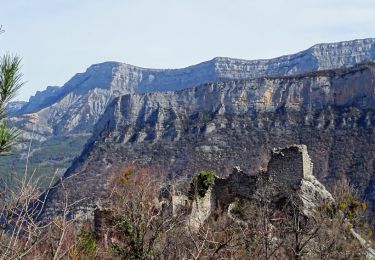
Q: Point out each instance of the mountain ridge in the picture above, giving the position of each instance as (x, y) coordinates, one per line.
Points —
(216, 60)
(68, 114)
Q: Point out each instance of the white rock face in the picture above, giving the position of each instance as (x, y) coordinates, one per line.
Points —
(159, 111)
(77, 105)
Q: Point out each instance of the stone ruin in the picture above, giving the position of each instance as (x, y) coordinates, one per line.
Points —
(289, 173)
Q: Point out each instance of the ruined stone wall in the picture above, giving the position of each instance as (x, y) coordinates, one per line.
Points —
(286, 169)
(237, 185)
(289, 173)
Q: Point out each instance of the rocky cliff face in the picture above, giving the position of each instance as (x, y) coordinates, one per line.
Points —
(77, 105)
(221, 125)
(70, 112)
(14, 106)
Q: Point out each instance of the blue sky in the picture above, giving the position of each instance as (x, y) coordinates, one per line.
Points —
(58, 38)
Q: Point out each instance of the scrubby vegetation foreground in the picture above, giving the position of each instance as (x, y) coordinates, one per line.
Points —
(137, 223)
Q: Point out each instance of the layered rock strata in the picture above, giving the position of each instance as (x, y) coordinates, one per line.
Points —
(62, 118)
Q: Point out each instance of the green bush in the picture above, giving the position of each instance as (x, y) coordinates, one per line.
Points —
(202, 181)
(86, 243)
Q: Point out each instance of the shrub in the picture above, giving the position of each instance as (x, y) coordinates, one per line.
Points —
(202, 181)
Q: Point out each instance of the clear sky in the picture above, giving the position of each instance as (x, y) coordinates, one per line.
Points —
(58, 38)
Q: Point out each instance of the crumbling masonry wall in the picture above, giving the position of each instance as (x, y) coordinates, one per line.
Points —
(289, 172)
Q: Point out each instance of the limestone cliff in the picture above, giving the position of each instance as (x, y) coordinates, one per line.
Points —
(75, 107)
(62, 117)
